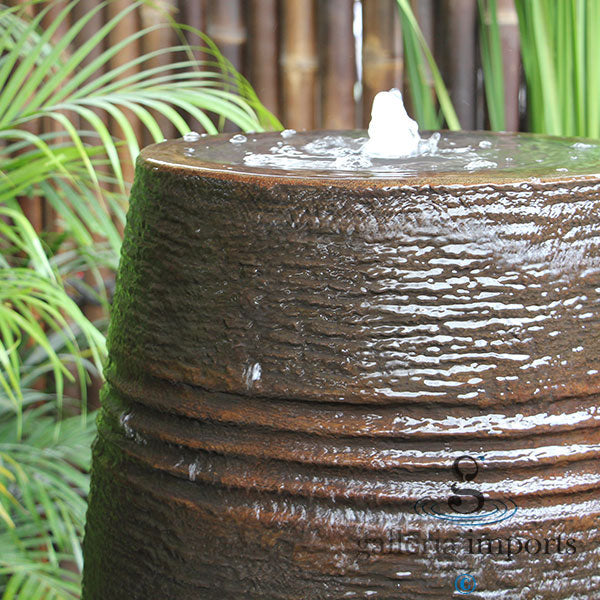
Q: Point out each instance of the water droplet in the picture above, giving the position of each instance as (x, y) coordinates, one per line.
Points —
(286, 133)
(485, 144)
(238, 139)
(124, 420)
(480, 164)
(252, 374)
(192, 470)
(191, 136)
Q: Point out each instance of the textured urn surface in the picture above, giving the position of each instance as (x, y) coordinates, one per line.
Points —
(298, 361)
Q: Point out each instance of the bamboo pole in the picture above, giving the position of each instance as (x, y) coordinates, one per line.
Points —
(263, 52)
(32, 205)
(382, 51)
(94, 312)
(424, 11)
(339, 65)
(33, 209)
(456, 51)
(227, 29)
(511, 59)
(150, 15)
(127, 26)
(425, 14)
(299, 64)
(80, 9)
(193, 13)
(50, 125)
(40, 215)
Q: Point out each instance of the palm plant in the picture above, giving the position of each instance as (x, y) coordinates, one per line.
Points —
(46, 341)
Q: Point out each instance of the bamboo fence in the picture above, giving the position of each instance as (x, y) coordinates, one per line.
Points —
(317, 64)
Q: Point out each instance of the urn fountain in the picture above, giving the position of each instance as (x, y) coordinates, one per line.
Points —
(339, 375)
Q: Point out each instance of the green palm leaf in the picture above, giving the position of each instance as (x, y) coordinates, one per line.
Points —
(46, 478)
(76, 170)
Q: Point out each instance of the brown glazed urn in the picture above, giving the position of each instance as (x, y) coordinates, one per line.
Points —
(335, 378)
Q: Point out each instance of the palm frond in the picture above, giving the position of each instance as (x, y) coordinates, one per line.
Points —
(181, 86)
(45, 485)
(76, 169)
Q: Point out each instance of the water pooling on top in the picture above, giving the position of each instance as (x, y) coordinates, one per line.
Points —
(392, 148)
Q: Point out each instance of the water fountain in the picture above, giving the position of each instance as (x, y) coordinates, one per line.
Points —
(342, 368)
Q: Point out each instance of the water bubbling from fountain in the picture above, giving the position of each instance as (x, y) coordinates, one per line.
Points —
(394, 148)
(392, 133)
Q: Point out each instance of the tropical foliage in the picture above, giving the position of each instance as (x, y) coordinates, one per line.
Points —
(560, 48)
(419, 62)
(48, 347)
(560, 51)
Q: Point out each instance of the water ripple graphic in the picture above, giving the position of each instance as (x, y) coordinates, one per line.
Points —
(493, 511)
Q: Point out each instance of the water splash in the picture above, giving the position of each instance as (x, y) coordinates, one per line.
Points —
(480, 163)
(392, 133)
(238, 139)
(386, 153)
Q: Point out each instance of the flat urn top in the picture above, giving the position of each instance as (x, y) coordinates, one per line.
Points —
(461, 158)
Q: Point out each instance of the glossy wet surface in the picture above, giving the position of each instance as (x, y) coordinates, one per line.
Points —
(298, 360)
(340, 155)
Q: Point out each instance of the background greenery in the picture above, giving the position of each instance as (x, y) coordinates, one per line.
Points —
(47, 344)
(48, 348)
(560, 52)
